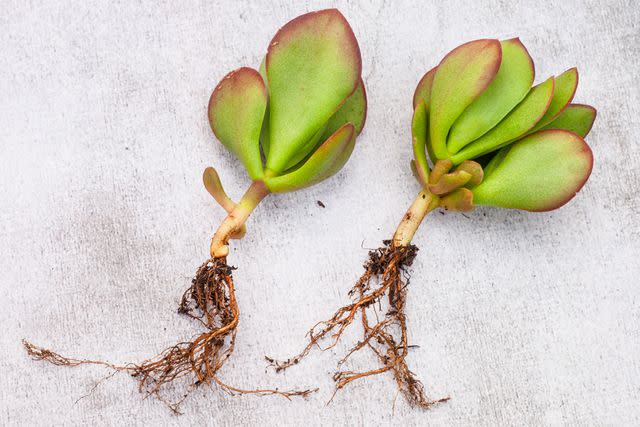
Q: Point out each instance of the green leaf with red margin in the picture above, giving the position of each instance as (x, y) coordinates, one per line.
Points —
(264, 135)
(565, 88)
(460, 78)
(510, 85)
(423, 90)
(576, 118)
(419, 130)
(313, 65)
(354, 111)
(540, 172)
(422, 95)
(307, 150)
(236, 111)
(518, 122)
(324, 162)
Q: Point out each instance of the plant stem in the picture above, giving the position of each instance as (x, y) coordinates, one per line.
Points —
(424, 203)
(237, 217)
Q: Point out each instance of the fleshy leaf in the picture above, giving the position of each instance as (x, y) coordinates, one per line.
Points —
(324, 162)
(354, 111)
(565, 87)
(414, 171)
(236, 110)
(306, 150)
(460, 200)
(265, 142)
(540, 172)
(459, 79)
(419, 129)
(313, 65)
(518, 122)
(474, 169)
(510, 85)
(577, 118)
(423, 90)
(264, 134)
(440, 168)
(450, 181)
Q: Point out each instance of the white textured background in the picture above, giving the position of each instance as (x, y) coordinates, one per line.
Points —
(521, 318)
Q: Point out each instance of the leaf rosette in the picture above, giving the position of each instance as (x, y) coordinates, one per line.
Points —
(479, 107)
(294, 123)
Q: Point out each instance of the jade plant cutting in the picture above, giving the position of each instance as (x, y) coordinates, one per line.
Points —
(291, 124)
(482, 135)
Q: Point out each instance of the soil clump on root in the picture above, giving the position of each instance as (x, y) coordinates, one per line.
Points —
(385, 277)
(211, 301)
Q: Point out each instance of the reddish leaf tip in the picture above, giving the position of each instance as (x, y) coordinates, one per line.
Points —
(584, 150)
(239, 76)
(427, 78)
(290, 27)
(516, 40)
(479, 46)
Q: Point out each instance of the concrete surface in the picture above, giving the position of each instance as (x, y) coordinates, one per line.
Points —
(523, 319)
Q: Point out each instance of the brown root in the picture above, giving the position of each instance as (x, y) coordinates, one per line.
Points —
(385, 275)
(211, 301)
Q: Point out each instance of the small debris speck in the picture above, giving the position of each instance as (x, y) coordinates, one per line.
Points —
(320, 204)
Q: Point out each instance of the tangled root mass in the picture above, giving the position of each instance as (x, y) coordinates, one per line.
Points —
(385, 275)
(210, 300)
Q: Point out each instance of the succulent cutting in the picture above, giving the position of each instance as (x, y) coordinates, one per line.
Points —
(482, 135)
(292, 123)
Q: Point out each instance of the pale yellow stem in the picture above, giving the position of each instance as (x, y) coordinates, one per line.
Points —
(424, 203)
(236, 218)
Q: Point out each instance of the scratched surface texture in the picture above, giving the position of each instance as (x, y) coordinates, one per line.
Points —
(523, 319)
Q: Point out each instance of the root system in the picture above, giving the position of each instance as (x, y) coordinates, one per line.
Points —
(385, 275)
(211, 301)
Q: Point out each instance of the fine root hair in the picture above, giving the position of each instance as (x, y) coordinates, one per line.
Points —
(211, 302)
(385, 277)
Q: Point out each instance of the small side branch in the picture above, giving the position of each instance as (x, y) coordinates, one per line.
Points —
(234, 222)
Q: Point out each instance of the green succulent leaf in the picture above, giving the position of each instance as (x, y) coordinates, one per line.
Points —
(493, 161)
(423, 90)
(540, 172)
(510, 85)
(354, 111)
(324, 162)
(518, 122)
(460, 78)
(414, 171)
(565, 87)
(236, 110)
(265, 141)
(450, 181)
(306, 150)
(264, 134)
(419, 129)
(576, 118)
(474, 169)
(422, 96)
(460, 200)
(313, 65)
